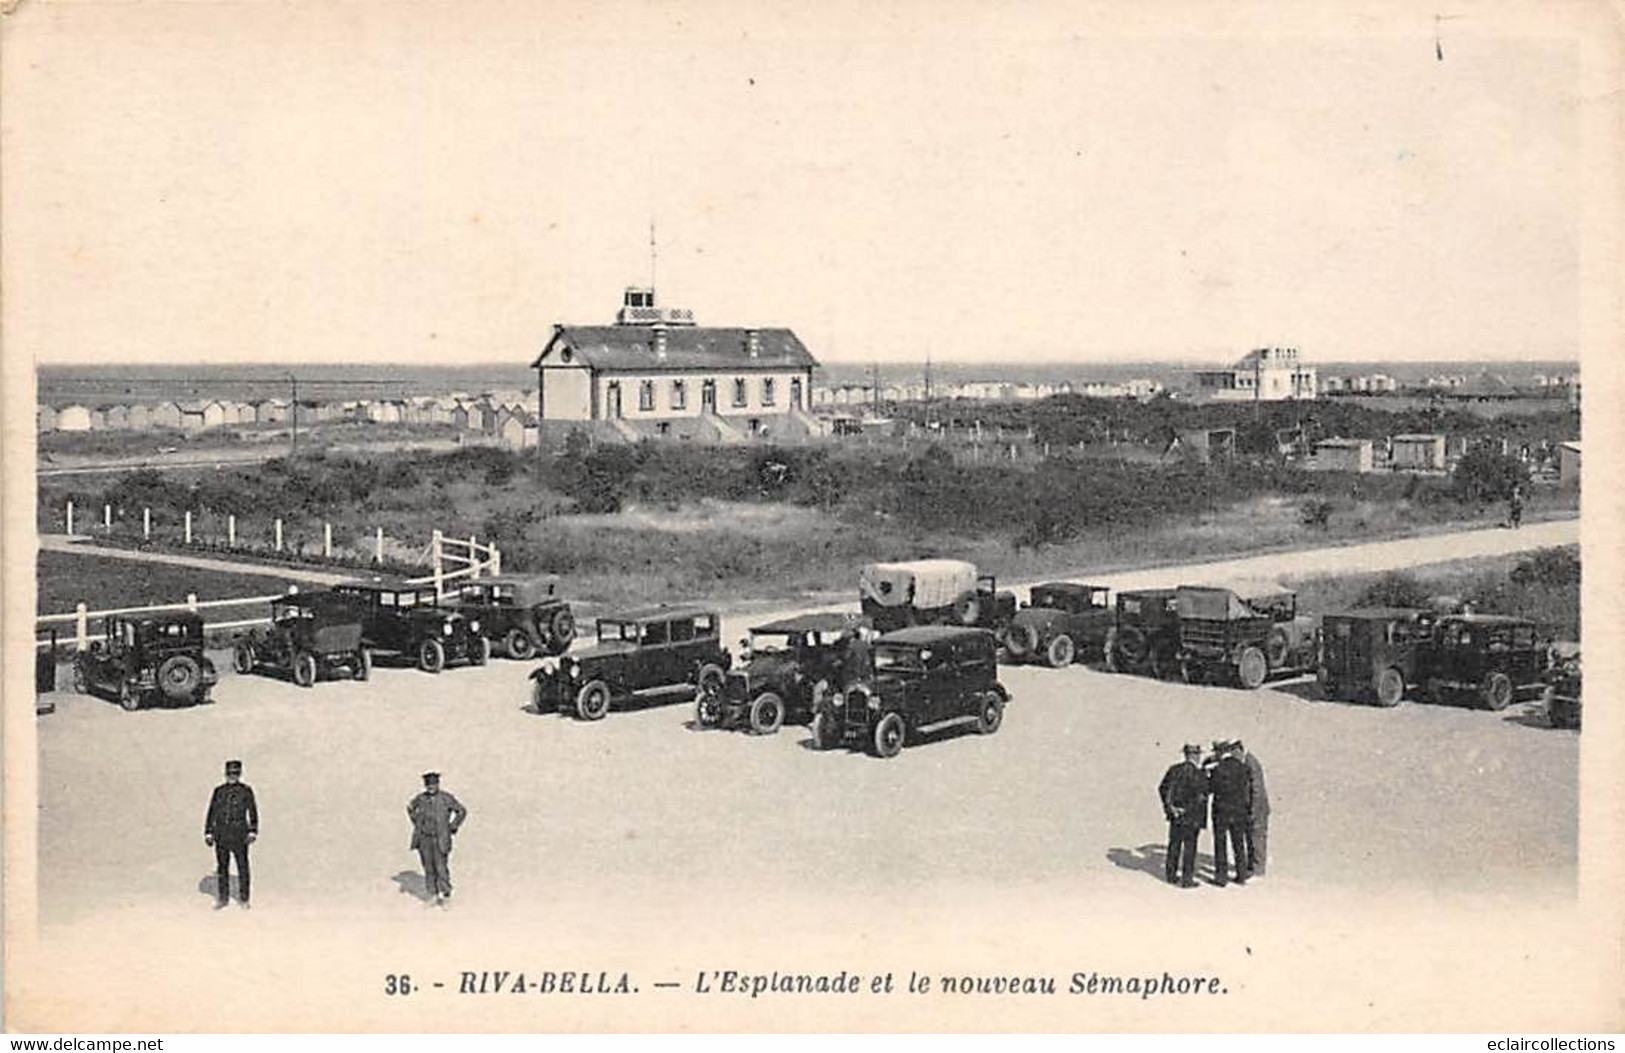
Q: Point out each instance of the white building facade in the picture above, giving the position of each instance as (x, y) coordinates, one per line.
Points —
(1268, 374)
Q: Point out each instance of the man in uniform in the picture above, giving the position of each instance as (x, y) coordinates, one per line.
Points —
(230, 826)
(1184, 802)
(1258, 820)
(435, 816)
(1232, 789)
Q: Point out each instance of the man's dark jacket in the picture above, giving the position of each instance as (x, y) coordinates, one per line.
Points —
(1184, 795)
(232, 813)
(1232, 787)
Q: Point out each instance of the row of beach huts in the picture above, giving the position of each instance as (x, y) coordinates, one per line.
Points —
(508, 416)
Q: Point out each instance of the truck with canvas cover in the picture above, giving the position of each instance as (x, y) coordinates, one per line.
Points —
(1242, 631)
(932, 592)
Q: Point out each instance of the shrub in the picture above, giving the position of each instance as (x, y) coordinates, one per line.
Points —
(1395, 589)
(1315, 512)
(1485, 474)
(1548, 566)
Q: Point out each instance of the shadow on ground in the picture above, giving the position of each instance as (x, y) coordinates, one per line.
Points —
(411, 883)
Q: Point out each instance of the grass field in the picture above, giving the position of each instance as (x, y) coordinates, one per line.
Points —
(65, 579)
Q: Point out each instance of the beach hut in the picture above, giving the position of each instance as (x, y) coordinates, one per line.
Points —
(167, 415)
(44, 418)
(1568, 463)
(1344, 455)
(1418, 452)
(116, 417)
(140, 418)
(73, 418)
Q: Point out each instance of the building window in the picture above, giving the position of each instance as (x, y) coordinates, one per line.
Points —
(739, 392)
(679, 395)
(767, 391)
(646, 396)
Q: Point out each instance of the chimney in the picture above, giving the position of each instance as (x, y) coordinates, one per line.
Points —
(660, 342)
(753, 343)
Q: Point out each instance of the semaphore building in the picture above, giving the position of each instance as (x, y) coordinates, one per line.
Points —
(655, 373)
(1269, 374)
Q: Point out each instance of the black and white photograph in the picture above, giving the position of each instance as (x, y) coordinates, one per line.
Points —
(903, 517)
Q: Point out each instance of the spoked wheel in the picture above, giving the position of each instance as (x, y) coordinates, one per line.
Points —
(1390, 688)
(710, 678)
(707, 709)
(304, 669)
(991, 715)
(1496, 691)
(179, 677)
(518, 645)
(129, 699)
(767, 714)
(242, 658)
(888, 735)
(592, 701)
(431, 656)
(1252, 669)
(1061, 651)
(562, 631)
(1020, 641)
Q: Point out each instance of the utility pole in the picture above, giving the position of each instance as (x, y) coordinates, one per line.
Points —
(874, 387)
(293, 407)
(654, 255)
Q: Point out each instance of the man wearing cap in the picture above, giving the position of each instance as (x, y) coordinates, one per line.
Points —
(231, 825)
(1184, 802)
(1258, 820)
(1232, 789)
(435, 816)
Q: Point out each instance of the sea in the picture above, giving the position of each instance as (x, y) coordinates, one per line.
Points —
(335, 381)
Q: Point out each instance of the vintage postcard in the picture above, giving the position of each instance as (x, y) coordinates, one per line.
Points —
(785, 517)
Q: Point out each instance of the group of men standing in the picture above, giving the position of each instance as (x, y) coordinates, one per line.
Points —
(1233, 781)
(232, 823)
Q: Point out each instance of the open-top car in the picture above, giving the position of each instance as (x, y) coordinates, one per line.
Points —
(1561, 698)
(925, 678)
(1490, 657)
(1145, 636)
(1374, 654)
(648, 650)
(787, 670)
(523, 614)
(1243, 633)
(1062, 621)
(311, 636)
(932, 592)
(141, 659)
(407, 618)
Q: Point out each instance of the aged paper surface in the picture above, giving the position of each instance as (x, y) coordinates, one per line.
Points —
(506, 117)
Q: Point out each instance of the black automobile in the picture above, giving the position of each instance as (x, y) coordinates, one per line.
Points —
(407, 618)
(140, 660)
(1062, 621)
(1373, 654)
(649, 650)
(1491, 658)
(1145, 638)
(787, 670)
(1562, 695)
(925, 678)
(311, 636)
(523, 614)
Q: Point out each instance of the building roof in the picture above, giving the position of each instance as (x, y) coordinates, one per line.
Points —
(1418, 438)
(630, 348)
(655, 614)
(1343, 444)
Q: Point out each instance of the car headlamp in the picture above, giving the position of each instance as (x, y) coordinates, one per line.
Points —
(445, 629)
(474, 626)
(550, 665)
(874, 702)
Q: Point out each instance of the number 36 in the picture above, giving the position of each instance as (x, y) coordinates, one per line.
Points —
(397, 985)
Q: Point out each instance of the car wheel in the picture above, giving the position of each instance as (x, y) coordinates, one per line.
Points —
(242, 658)
(1110, 651)
(81, 683)
(991, 714)
(561, 631)
(1252, 668)
(518, 644)
(1021, 640)
(823, 731)
(1390, 688)
(179, 677)
(129, 699)
(888, 735)
(304, 669)
(767, 714)
(363, 664)
(710, 678)
(1061, 651)
(707, 710)
(592, 701)
(1496, 692)
(431, 656)
(480, 652)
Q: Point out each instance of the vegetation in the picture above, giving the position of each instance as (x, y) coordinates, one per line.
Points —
(102, 583)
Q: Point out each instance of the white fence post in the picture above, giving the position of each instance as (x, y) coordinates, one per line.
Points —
(293, 590)
(439, 545)
(231, 531)
(188, 528)
(81, 627)
(279, 535)
(378, 546)
(107, 519)
(473, 557)
(327, 540)
(496, 562)
(146, 524)
(191, 602)
(70, 518)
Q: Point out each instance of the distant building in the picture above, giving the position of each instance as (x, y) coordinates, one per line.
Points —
(1344, 455)
(655, 365)
(73, 418)
(116, 417)
(1418, 452)
(1568, 463)
(44, 418)
(1270, 374)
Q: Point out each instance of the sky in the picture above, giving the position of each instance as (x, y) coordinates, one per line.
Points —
(443, 183)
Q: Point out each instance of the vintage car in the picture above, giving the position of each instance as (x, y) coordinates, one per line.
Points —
(1243, 633)
(925, 678)
(932, 592)
(1490, 657)
(1373, 654)
(401, 617)
(524, 614)
(1062, 620)
(140, 660)
(1561, 699)
(654, 649)
(787, 670)
(1145, 636)
(310, 636)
